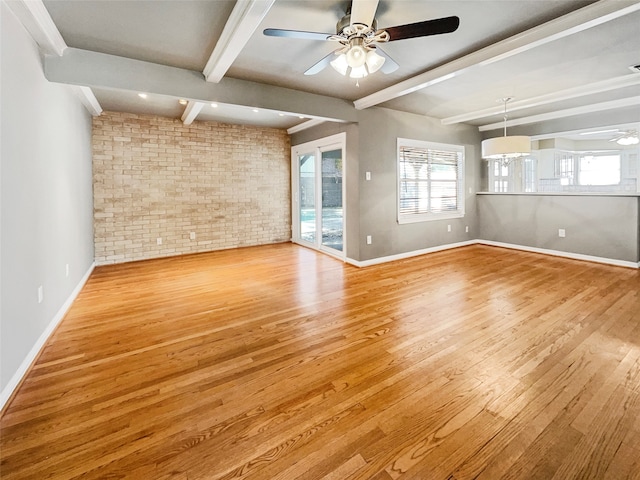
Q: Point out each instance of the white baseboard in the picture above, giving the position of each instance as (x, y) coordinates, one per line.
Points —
(414, 253)
(7, 391)
(559, 253)
(544, 251)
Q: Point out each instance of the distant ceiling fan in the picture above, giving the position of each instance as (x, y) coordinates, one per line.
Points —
(626, 138)
(359, 38)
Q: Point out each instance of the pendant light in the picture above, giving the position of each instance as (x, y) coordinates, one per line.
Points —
(506, 148)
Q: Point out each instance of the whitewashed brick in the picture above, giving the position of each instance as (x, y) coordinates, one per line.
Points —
(155, 177)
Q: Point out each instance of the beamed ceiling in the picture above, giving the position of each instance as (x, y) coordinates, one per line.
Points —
(559, 59)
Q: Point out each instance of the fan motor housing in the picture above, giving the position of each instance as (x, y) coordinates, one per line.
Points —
(345, 29)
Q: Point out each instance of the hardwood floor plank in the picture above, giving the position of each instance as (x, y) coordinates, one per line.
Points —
(278, 362)
(346, 469)
(592, 410)
(594, 453)
(625, 463)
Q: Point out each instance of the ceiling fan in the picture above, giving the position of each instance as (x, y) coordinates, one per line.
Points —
(357, 33)
(627, 138)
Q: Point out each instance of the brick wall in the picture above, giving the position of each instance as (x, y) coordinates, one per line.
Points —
(154, 177)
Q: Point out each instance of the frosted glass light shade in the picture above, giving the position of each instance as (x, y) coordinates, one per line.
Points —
(356, 56)
(506, 147)
(358, 72)
(374, 61)
(340, 64)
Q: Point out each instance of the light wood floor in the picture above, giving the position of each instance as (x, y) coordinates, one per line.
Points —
(281, 363)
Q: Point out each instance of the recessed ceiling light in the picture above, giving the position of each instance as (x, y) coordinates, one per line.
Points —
(255, 110)
(281, 114)
(182, 101)
(142, 95)
(214, 105)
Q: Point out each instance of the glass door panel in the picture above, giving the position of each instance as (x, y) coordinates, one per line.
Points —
(307, 197)
(317, 195)
(331, 215)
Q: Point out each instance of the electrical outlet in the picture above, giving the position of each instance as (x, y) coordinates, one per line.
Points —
(367, 175)
(561, 233)
(466, 229)
(192, 235)
(368, 239)
(66, 270)
(40, 294)
(159, 241)
(448, 228)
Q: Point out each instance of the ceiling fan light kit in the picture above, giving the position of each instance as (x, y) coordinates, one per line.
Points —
(506, 148)
(361, 60)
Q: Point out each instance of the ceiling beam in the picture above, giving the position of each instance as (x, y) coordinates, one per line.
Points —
(580, 91)
(243, 21)
(590, 16)
(93, 69)
(191, 112)
(88, 99)
(304, 125)
(565, 133)
(596, 107)
(36, 19)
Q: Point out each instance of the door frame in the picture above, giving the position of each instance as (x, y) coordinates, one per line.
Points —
(317, 147)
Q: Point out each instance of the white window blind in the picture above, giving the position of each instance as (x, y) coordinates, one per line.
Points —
(430, 181)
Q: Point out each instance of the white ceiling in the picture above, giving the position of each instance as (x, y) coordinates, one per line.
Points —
(593, 46)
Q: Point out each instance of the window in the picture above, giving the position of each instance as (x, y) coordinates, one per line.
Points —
(599, 170)
(430, 181)
(530, 180)
(564, 162)
(633, 164)
(501, 176)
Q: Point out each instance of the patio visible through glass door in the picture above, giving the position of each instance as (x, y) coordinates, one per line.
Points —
(307, 195)
(332, 218)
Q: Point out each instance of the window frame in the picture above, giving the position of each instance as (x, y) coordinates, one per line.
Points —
(404, 218)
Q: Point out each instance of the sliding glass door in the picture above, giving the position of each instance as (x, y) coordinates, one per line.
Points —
(307, 218)
(318, 192)
(332, 218)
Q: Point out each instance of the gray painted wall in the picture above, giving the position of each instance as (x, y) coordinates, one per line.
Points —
(379, 131)
(601, 226)
(373, 204)
(46, 196)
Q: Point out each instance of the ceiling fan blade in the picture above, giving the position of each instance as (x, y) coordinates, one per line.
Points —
(389, 65)
(423, 29)
(320, 65)
(277, 32)
(363, 11)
